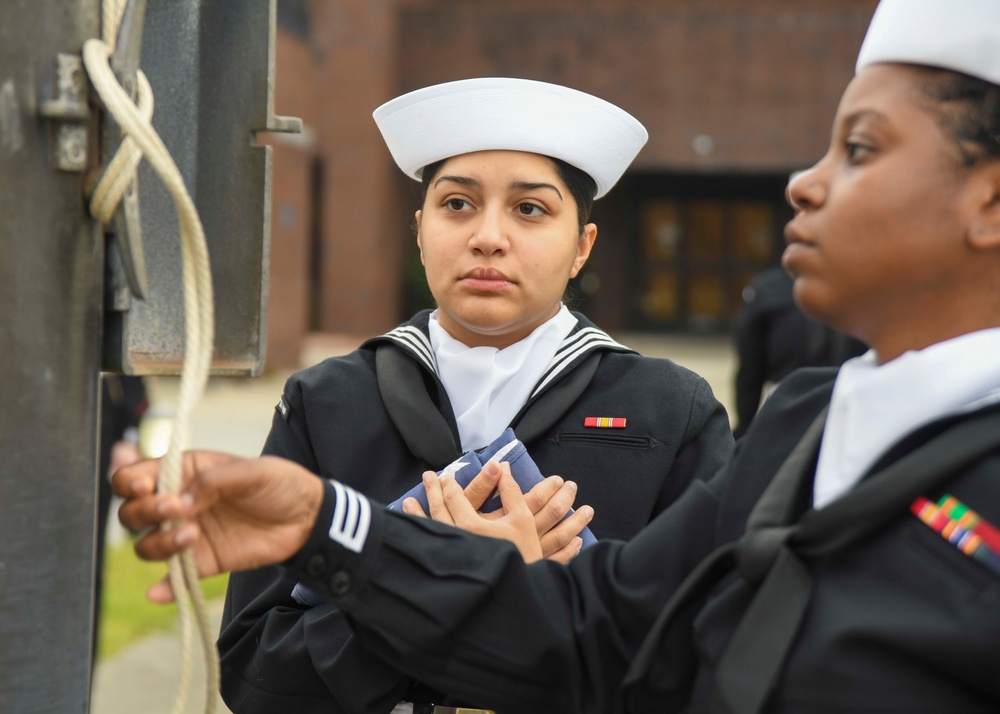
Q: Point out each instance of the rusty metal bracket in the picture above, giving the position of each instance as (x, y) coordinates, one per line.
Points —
(69, 112)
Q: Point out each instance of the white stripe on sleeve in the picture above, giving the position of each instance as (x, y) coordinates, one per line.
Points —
(351, 518)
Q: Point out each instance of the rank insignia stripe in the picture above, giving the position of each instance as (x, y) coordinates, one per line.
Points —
(604, 422)
(282, 407)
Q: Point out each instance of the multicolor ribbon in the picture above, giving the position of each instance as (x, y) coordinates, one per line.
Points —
(604, 422)
(962, 527)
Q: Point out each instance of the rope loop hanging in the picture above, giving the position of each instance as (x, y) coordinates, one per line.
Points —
(141, 141)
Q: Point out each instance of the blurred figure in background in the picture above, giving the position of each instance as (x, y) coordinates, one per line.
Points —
(774, 338)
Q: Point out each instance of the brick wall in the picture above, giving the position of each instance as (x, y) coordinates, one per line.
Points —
(759, 80)
(724, 86)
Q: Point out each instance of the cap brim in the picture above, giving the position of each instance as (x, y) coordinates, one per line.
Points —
(461, 117)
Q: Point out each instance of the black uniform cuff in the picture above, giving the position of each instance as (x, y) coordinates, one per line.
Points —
(329, 567)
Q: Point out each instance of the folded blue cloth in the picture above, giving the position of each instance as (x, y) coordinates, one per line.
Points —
(507, 448)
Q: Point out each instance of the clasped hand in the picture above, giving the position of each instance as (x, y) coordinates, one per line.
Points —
(535, 522)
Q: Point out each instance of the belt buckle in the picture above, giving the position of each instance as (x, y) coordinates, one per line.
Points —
(460, 710)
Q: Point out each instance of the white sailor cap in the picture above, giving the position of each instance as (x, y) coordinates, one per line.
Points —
(960, 35)
(446, 120)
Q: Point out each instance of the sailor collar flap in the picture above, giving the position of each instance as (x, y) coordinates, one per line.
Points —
(404, 355)
(414, 339)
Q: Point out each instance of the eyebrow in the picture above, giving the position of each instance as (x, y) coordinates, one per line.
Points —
(854, 117)
(515, 185)
(529, 186)
(464, 180)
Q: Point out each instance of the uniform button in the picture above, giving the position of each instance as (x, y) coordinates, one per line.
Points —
(340, 583)
(315, 566)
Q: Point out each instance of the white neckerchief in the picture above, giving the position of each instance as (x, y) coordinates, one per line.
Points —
(874, 406)
(487, 386)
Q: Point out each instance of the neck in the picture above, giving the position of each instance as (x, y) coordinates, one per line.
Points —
(894, 343)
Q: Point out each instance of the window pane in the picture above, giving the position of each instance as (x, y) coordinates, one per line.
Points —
(705, 226)
(754, 224)
(660, 230)
(658, 301)
(705, 299)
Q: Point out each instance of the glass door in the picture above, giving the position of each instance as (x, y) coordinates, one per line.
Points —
(696, 255)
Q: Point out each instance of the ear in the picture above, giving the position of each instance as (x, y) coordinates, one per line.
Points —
(420, 245)
(984, 228)
(583, 247)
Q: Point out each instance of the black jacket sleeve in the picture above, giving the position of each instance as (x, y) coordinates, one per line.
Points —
(466, 615)
(278, 655)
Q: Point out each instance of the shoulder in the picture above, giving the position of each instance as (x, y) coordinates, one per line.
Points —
(805, 389)
(784, 418)
(779, 426)
(786, 415)
(358, 367)
(655, 376)
(334, 372)
(657, 372)
(975, 483)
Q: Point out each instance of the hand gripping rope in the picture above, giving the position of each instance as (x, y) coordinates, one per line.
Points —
(141, 140)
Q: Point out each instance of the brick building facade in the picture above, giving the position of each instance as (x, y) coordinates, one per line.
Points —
(735, 94)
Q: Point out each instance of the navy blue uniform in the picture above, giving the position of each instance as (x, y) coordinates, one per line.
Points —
(901, 621)
(379, 417)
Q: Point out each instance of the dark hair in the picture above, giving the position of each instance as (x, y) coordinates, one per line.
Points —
(581, 186)
(968, 110)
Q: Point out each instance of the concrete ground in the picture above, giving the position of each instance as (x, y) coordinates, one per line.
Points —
(235, 415)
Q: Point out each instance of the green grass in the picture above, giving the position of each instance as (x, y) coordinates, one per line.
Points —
(126, 615)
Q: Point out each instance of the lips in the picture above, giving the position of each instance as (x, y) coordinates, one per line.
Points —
(797, 245)
(486, 280)
(485, 274)
(793, 233)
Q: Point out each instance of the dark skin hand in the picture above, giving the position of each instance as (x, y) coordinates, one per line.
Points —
(236, 513)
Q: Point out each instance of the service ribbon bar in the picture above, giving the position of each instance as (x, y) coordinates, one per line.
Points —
(604, 422)
(966, 517)
(962, 527)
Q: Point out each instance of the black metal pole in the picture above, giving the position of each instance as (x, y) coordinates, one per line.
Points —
(51, 257)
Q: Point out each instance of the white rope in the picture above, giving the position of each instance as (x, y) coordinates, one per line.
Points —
(141, 140)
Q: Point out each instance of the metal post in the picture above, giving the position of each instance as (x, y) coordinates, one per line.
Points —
(52, 268)
(51, 258)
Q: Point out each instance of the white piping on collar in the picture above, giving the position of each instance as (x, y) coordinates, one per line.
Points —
(415, 341)
(576, 344)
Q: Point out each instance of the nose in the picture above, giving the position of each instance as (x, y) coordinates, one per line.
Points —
(489, 234)
(805, 189)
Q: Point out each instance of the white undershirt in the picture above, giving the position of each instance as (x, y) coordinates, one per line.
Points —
(874, 406)
(487, 386)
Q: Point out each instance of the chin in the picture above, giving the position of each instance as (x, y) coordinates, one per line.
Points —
(808, 295)
(812, 301)
(491, 329)
(489, 324)
(826, 312)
